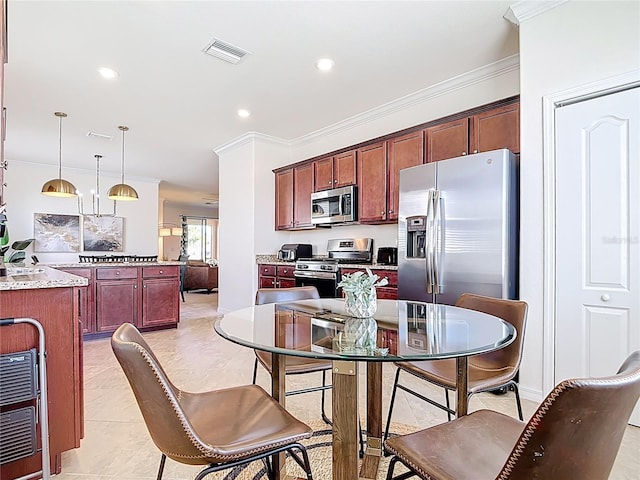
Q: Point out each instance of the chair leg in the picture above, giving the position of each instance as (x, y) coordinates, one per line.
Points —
(446, 396)
(393, 399)
(402, 476)
(255, 370)
(519, 405)
(161, 469)
(325, 419)
(267, 465)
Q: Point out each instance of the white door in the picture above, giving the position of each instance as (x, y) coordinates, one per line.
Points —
(597, 235)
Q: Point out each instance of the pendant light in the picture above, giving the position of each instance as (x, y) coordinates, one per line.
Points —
(58, 187)
(122, 191)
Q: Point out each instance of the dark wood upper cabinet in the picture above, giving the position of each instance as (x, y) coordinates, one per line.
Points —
(374, 166)
(323, 173)
(344, 169)
(403, 152)
(284, 199)
(372, 183)
(334, 172)
(302, 189)
(497, 128)
(447, 140)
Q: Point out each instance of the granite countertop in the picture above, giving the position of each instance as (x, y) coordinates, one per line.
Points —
(273, 260)
(112, 264)
(29, 278)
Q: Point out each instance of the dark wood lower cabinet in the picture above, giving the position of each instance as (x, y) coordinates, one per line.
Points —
(146, 296)
(276, 276)
(57, 309)
(116, 303)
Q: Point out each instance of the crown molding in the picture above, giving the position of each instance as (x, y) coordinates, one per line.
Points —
(526, 9)
(247, 138)
(479, 75)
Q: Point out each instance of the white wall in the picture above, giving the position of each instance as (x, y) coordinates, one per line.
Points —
(237, 216)
(571, 45)
(23, 197)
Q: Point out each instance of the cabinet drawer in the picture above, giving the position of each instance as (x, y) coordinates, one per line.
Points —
(285, 271)
(116, 273)
(267, 270)
(158, 271)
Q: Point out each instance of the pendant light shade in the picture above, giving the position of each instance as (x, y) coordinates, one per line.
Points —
(58, 187)
(122, 191)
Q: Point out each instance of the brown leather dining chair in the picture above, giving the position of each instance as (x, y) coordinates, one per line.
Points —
(218, 429)
(293, 365)
(575, 433)
(486, 372)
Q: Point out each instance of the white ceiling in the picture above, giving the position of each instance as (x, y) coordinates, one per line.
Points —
(180, 104)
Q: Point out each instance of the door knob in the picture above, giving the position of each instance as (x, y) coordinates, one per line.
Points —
(605, 298)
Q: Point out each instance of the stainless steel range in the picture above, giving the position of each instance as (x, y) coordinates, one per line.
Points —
(324, 272)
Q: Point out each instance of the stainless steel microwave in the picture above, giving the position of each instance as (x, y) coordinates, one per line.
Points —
(339, 205)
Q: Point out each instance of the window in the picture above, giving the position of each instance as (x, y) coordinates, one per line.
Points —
(201, 238)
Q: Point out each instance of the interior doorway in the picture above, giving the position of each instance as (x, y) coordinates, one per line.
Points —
(597, 233)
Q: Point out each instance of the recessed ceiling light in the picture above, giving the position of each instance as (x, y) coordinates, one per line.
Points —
(242, 113)
(108, 72)
(324, 64)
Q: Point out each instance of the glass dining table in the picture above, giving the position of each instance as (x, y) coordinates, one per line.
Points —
(399, 331)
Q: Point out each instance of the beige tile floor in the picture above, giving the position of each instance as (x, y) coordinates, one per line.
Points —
(117, 446)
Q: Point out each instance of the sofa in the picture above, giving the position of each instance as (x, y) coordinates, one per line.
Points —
(200, 276)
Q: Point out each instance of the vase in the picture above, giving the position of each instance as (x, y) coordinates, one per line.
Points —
(361, 305)
(359, 334)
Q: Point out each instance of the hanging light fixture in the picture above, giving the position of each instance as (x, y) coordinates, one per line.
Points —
(58, 187)
(122, 191)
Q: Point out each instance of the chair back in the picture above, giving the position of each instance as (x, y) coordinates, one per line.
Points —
(275, 295)
(157, 397)
(512, 311)
(577, 430)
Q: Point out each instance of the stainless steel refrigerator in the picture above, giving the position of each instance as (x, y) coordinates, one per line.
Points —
(458, 228)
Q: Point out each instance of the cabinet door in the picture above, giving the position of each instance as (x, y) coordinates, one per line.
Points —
(405, 151)
(87, 305)
(116, 303)
(497, 128)
(372, 183)
(286, 282)
(448, 140)
(323, 174)
(284, 199)
(266, 282)
(302, 189)
(344, 169)
(160, 301)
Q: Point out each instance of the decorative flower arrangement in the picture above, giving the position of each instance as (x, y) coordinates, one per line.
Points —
(360, 291)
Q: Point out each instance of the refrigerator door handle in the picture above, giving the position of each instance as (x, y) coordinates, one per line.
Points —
(437, 241)
(429, 241)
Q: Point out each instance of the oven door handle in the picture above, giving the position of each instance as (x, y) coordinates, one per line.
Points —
(318, 275)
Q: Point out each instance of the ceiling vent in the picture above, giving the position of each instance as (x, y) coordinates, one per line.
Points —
(225, 51)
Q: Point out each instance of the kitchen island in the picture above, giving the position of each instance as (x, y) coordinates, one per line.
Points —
(52, 298)
(146, 294)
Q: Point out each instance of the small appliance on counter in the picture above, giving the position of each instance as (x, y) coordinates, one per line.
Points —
(387, 256)
(290, 252)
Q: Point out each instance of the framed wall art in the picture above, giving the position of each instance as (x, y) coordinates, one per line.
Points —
(103, 234)
(56, 233)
